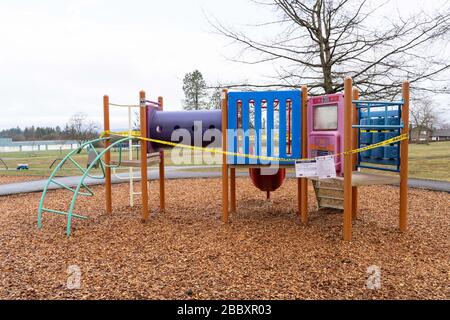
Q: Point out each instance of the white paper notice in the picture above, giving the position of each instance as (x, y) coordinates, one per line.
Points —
(326, 167)
(305, 169)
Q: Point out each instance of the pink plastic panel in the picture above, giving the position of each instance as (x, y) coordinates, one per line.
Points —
(325, 136)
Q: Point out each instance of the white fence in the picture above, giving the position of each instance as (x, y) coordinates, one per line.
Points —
(28, 146)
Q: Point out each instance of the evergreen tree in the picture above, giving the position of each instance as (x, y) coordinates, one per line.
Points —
(194, 87)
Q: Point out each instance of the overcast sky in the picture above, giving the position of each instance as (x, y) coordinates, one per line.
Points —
(58, 57)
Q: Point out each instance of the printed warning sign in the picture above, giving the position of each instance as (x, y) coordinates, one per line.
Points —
(326, 168)
(305, 169)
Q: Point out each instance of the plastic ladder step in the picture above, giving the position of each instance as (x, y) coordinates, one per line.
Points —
(331, 198)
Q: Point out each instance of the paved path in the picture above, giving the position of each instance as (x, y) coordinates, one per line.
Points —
(429, 184)
(173, 173)
(38, 185)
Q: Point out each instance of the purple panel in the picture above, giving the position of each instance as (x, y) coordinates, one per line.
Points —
(192, 125)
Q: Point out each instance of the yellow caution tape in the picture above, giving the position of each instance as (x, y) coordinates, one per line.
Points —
(136, 135)
(379, 144)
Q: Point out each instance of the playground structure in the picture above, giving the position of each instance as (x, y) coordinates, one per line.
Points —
(265, 132)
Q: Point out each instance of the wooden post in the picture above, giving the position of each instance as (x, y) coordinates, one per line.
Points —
(303, 189)
(162, 191)
(404, 160)
(355, 121)
(224, 156)
(108, 188)
(233, 190)
(299, 198)
(348, 166)
(144, 179)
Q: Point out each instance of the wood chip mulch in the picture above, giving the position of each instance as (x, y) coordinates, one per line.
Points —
(187, 253)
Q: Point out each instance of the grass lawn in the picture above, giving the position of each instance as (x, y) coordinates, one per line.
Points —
(425, 161)
(40, 161)
(430, 161)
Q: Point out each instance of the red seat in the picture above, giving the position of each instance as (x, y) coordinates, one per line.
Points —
(267, 182)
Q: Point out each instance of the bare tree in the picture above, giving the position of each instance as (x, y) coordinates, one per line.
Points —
(423, 114)
(322, 41)
(445, 125)
(136, 120)
(81, 129)
(424, 118)
(215, 95)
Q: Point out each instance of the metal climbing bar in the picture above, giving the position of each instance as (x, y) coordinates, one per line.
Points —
(57, 169)
(64, 213)
(377, 168)
(119, 161)
(364, 104)
(378, 127)
(124, 105)
(156, 103)
(72, 190)
(101, 164)
(77, 191)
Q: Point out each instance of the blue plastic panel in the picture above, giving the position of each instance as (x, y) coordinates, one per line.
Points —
(363, 104)
(379, 121)
(366, 137)
(251, 105)
(374, 114)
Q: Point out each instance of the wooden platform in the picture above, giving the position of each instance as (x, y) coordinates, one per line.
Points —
(369, 179)
(152, 158)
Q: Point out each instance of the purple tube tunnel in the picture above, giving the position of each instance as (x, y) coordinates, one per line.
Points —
(198, 128)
